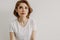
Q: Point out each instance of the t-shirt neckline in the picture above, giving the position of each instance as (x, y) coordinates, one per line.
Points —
(21, 25)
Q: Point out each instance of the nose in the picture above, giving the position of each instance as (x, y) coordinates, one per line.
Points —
(23, 10)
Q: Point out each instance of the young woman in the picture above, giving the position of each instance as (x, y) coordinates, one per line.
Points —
(22, 28)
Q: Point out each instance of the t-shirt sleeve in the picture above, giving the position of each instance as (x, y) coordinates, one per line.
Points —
(34, 25)
(11, 27)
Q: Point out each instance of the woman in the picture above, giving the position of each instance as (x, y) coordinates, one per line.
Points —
(23, 28)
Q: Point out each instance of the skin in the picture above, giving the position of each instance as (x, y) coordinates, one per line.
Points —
(22, 8)
(22, 12)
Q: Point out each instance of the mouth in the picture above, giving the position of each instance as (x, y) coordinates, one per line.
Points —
(23, 13)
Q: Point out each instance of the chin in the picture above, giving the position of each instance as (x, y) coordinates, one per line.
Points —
(23, 16)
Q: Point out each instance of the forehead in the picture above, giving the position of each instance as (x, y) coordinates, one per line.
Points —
(23, 4)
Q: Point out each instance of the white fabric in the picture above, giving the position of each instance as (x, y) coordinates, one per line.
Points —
(23, 33)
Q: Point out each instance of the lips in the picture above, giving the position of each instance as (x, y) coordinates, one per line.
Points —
(22, 13)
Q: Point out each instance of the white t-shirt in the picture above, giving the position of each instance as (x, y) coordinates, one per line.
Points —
(23, 33)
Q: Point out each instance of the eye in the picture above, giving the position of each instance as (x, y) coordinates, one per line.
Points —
(26, 7)
(20, 7)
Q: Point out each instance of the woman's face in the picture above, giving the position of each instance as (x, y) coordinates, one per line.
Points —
(22, 10)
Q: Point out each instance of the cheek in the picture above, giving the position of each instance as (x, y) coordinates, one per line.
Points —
(27, 11)
(19, 10)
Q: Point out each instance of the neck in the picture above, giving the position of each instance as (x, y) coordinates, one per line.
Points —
(22, 19)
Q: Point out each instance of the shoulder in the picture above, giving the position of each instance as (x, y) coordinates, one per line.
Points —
(13, 22)
(32, 20)
(12, 25)
(34, 24)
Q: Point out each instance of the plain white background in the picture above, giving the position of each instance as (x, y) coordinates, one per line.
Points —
(45, 12)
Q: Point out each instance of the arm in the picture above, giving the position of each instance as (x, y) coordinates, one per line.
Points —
(12, 36)
(34, 30)
(33, 35)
